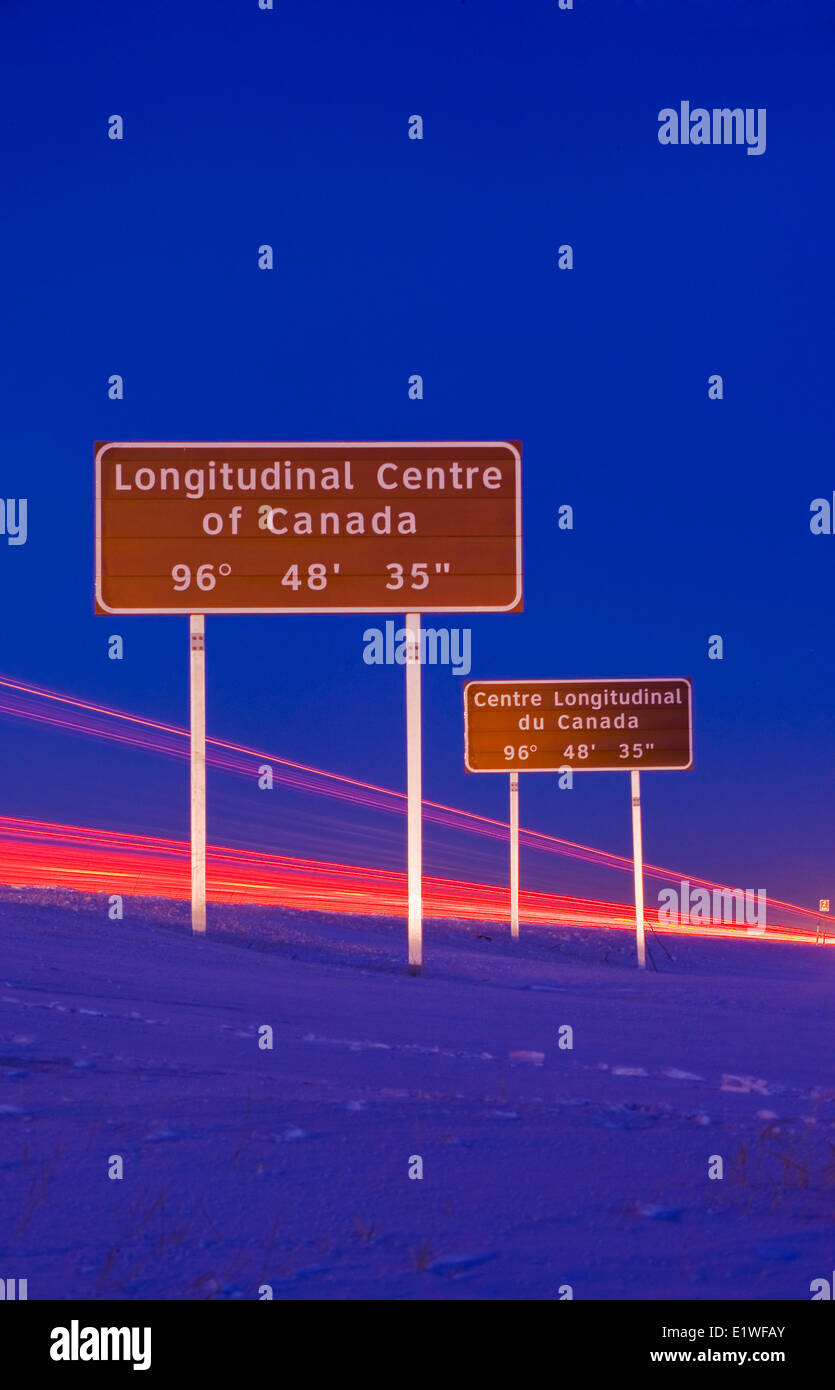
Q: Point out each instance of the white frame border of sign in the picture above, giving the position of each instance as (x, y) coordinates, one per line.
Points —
(298, 444)
(626, 766)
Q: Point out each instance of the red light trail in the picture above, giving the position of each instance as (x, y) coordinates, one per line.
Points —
(38, 853)
(93, 860)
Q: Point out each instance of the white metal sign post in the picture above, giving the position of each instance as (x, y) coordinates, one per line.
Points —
(197, 683)
(414, 793)
(638, 869)
(514, 854)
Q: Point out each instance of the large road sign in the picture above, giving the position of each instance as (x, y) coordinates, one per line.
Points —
(588, 726)
(308, 528)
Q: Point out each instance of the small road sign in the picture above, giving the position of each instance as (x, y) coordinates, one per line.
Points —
(586, 725)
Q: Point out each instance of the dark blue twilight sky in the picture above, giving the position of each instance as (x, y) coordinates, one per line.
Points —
(438, 257)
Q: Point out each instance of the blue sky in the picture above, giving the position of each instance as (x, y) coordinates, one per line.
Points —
(438, 257)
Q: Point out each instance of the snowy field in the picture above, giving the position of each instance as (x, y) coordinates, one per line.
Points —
(542, 1167)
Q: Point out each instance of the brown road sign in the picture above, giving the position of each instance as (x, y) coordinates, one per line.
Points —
(589, 726)
(308, 528)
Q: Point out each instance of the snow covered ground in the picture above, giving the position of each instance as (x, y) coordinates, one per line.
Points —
(542, 1166)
